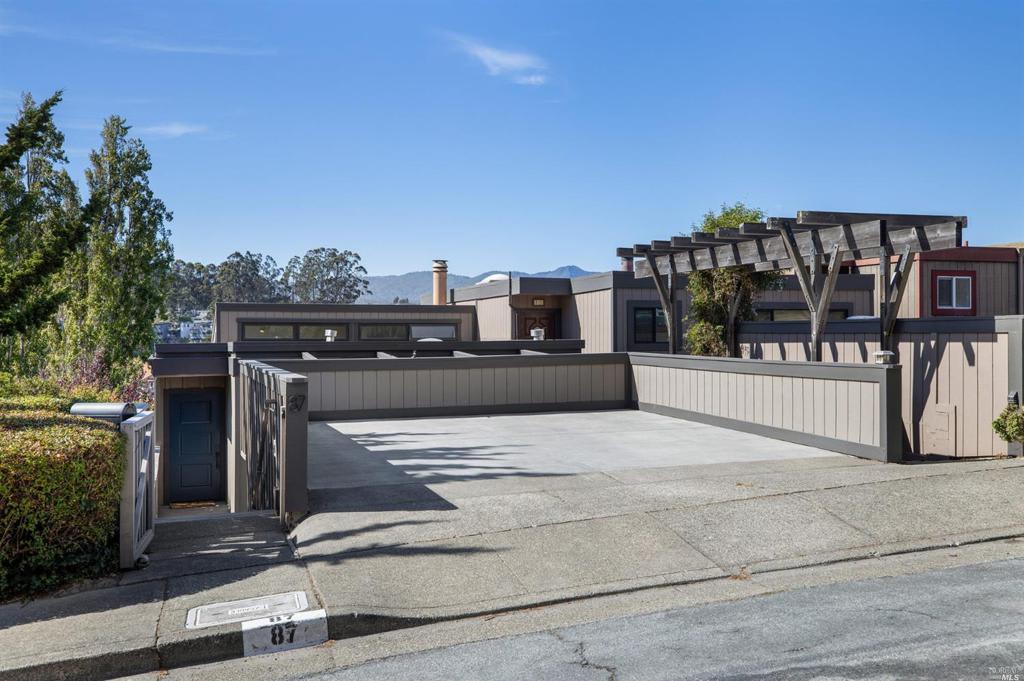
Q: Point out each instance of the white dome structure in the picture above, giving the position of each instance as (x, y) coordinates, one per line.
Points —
(497, 276)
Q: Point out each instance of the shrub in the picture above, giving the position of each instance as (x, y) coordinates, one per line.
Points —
(1009, 425)
(11, 386)
(60, 486)
(704, 338)
(36, 403)
(25, 386)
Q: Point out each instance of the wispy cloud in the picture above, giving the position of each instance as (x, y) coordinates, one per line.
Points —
(171, 130)
(522, 68)
(147, 45)
(135, 41)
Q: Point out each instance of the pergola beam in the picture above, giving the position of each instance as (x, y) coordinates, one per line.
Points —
(813, 245)
(856, 240)
(893, 220)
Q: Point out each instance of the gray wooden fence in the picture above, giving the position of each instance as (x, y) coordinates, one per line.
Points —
(274, 415)
(445, 386)
(956, 374)
(138, 490)
(849, 408)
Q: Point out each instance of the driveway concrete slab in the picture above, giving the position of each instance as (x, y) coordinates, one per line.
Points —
(595, 551)
(455, 449)
(464, 489)
(752, 530)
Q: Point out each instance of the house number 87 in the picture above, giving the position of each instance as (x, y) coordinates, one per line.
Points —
(282, 633)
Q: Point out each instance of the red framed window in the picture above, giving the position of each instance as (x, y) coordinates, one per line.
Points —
(954, 293)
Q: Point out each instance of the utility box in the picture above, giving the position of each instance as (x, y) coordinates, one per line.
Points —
(112, 412)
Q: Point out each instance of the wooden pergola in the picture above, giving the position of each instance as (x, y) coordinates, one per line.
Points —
(813, 245)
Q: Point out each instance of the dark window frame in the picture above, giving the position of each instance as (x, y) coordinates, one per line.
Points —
(771, 308)
(351, 328)
(242, 323)
(366, 325)
(631, 343)
(937, 311)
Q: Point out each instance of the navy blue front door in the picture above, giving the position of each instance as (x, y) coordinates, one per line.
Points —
(196, 456)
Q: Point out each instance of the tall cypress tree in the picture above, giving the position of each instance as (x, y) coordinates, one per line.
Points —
(41, 219)
(129, 255)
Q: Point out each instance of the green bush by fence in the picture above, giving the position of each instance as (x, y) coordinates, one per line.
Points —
(60, 487)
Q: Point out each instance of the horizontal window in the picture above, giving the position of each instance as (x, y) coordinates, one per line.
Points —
(442, 331)
(319, 331)
(268, 332)
(793, 314)
(393, 332)
(649, 325)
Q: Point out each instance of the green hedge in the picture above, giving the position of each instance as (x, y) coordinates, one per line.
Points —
(36, 403)
(60, 487)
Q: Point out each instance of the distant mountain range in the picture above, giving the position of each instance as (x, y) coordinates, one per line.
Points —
(412, 285)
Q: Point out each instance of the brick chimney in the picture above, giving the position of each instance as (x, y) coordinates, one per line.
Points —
(440, 282)
(626, 265)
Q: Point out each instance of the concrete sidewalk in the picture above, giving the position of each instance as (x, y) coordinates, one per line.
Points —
(387, 552)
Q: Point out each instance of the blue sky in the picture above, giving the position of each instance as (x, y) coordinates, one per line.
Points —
(527, 135)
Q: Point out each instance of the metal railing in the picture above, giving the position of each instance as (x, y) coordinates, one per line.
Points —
(138, 491)
(273, 419)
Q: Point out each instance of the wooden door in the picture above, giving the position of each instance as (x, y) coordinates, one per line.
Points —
(196, 456)
(538, 319)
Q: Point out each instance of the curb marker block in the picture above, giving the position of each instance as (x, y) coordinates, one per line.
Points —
(284, 632)
(246, 609)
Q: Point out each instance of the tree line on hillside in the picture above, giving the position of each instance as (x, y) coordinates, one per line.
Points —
(322, 275)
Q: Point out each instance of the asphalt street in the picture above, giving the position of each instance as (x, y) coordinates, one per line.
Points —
(959, 623)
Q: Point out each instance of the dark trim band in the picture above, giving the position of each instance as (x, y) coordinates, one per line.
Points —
(468, 410)
(809, 439)
(762, 367)
(308, 366)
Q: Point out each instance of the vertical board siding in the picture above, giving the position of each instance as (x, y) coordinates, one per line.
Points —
(588, 316)
(996, 281)
(466, 385)
(804, 405)
(996, 286)
(965, 371)
(494, 318)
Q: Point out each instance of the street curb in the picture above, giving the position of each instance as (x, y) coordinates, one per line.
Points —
(224, 644)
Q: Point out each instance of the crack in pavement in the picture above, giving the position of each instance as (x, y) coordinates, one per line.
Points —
(580, 651)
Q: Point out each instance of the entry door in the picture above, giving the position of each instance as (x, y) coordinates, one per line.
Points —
(538, 319)
(197, 455)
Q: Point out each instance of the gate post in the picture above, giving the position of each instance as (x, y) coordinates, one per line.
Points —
(294, 390)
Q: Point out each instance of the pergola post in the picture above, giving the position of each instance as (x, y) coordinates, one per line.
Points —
(895, 289)
(675, 342)
(667, 298)
(816, 287)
